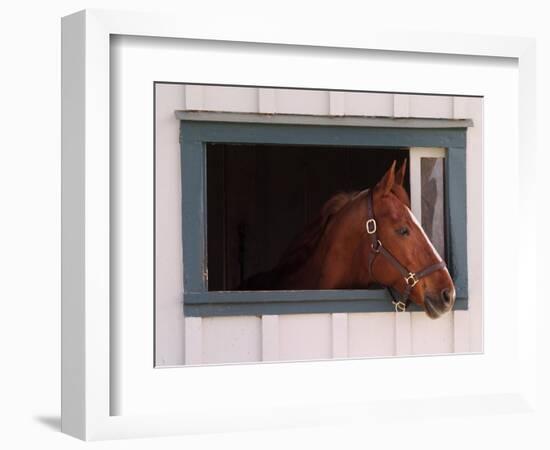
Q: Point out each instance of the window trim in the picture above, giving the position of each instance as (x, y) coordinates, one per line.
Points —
(197, 129)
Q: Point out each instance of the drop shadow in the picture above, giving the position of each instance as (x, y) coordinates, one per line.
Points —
(51, 422)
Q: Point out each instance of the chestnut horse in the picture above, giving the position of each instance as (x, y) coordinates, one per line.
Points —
(362, 239)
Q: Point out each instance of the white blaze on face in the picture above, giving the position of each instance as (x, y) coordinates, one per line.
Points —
(415, 221)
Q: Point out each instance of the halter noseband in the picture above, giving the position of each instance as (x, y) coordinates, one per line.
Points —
(411, 278)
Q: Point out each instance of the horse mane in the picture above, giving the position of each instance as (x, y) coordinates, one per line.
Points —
(304, 244)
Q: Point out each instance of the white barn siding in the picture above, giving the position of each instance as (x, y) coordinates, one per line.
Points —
(192, 342)
(267, 103)
(368, 104)
(231, 339)
(306, 336)
(361, 104)
(403, 335)
(472, 320)
(431, 336)
(221, 98)
(371, 334)
(170, 324)
(292, 101)
(270, 338)
(425, 106)
(434, 106)
(461, 328)
(340, 335)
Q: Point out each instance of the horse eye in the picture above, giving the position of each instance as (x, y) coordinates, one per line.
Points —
(403, 231)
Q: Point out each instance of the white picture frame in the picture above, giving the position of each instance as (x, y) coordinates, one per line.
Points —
(88, 322)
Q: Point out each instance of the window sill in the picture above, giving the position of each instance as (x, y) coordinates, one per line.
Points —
(256, 303)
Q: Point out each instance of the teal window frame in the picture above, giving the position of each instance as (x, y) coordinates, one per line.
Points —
(197, 130)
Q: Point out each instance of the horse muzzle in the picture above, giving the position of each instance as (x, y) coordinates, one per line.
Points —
(436, 306)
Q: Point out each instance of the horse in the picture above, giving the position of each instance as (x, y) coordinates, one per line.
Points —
(364, 239)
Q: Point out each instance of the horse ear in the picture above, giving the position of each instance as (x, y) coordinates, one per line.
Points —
(386, 183)
(400, 175)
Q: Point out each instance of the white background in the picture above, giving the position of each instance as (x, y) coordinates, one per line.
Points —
(29, 233)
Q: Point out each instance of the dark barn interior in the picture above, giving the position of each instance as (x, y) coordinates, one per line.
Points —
(260, 196)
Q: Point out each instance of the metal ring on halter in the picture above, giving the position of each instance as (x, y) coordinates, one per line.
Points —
(400, 306)
(411, 279)
(377, 248)
(371, 226)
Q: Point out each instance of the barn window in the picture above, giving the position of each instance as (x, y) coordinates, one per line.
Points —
(251, 182)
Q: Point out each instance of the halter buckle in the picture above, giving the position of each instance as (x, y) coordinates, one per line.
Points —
(376, 246)
(411, 279)
(371, 226)
(400, 306)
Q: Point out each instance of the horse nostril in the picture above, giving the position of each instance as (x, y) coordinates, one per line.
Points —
(447, 296)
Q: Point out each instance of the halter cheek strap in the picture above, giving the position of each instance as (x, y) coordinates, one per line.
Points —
(411, 278)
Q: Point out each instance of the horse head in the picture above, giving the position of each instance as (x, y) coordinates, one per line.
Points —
(362, 239)
(400, 255)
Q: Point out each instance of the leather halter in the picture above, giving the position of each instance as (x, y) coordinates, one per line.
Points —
(411, 278)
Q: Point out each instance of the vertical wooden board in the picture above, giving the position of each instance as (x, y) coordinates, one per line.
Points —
(270, 338)
(473, 108)
(169, 319)
(281, 200)
(457, 217)
(367, 167)
(474, 168)
(231, 339)
(340, 335)
(267, 102)
(294, 101)
(230, 98)
(337, 103)
(368, 104)
(461, 331)
(257, 232)
(327, 172)
(403, 334)
(193, 341)
(305, 336)
(371, 334)
(431, 336)
(401, 105)
(194, 97)
(240, 206)
(216, 215)
(434, 106)
(461, 107)
(192, 212)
